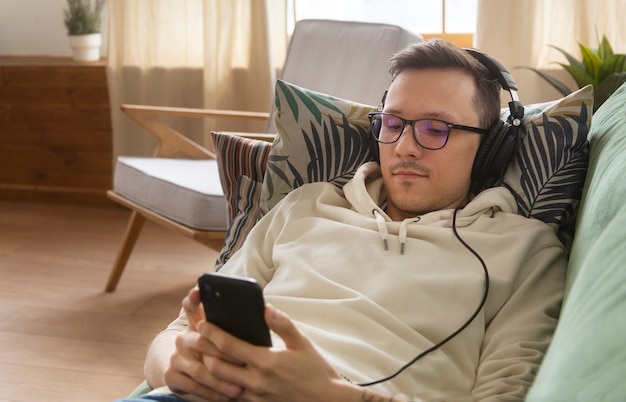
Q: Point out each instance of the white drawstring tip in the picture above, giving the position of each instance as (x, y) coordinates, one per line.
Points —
(382, 227)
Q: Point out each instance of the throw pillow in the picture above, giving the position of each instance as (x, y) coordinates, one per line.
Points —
(548, 171)
(320, 138)
(241, 163)
(323, 138)
(238, 156)
(248, 195)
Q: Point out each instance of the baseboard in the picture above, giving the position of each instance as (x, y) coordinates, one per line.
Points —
(65, 195)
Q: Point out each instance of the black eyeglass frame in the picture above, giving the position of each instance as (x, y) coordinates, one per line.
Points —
(406, 122)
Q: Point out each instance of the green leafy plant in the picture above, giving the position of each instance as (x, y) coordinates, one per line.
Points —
(600, 67)
(83, 17)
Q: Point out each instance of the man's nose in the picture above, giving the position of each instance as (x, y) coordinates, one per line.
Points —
(407, 145)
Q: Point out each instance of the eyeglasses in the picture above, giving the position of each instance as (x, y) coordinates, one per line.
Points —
(428, 133)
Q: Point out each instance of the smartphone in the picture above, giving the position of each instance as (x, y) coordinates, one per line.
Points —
(236, 305)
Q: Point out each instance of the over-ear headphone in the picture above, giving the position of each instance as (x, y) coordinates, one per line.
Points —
(499, 144)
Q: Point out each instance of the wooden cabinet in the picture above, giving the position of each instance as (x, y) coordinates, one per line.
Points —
(55, 130)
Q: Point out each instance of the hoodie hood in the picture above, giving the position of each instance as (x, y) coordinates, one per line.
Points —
(366, 193)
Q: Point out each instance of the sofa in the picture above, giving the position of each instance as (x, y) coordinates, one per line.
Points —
(586, 360)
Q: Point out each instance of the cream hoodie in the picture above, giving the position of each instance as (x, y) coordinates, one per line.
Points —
(320, 257)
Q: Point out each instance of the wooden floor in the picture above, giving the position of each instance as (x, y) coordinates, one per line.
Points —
(62, 338)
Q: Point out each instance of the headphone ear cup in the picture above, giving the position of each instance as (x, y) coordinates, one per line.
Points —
(499, 145)
(493, 155)
(373, 146)
(374, 131)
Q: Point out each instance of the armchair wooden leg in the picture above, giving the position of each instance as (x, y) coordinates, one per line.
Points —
(130, 238)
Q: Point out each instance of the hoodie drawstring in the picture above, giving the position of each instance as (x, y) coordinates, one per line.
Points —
(382, 227)
(403, 229)
(384, 234)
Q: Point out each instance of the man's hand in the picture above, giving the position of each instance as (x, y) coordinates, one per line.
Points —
(294, 373)
(186, 373)
(212, 365)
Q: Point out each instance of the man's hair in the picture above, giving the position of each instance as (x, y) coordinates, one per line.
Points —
(439, 54)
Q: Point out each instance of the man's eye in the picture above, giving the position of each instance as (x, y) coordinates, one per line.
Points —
(436, 131)
(433, 128)
(393, 125)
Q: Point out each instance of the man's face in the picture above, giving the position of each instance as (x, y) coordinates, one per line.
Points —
(419, 180)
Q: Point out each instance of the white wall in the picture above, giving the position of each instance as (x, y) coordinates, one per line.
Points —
(35, 27)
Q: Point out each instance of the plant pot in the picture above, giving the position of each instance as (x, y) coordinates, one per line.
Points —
(86, 47)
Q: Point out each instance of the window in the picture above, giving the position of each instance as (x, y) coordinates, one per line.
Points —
(453, 20)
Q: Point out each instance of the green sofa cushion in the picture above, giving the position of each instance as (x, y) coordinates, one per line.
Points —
(587, 358)
(604, 192)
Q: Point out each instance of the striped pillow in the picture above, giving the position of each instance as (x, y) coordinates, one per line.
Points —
(238, 156)
(241, 163)
(247, 196)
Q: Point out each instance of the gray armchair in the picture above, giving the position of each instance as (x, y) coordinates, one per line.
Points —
(344, 59)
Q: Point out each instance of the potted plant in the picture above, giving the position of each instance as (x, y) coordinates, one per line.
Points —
(82, 19)
(602, 68)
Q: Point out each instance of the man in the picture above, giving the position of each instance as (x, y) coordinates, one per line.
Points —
(378, 291)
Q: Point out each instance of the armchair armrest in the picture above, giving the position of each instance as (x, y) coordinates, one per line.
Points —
(170, 141)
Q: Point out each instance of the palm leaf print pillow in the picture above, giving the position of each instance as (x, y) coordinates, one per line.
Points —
(323, 138)
(548, 172)
(320, 138)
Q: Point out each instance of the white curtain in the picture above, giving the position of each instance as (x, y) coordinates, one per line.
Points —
(218, 54)
(518, 33)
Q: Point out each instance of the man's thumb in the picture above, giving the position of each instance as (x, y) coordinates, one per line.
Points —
(282, 325)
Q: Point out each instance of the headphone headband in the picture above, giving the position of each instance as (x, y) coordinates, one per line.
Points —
(505, 79)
